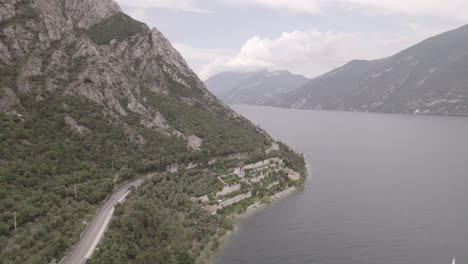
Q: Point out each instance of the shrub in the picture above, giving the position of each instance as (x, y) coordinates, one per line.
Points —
(118, 26)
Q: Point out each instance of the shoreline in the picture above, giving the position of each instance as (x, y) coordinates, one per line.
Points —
(251, 210)
(428, 114)
(259, 205)
(210, 253)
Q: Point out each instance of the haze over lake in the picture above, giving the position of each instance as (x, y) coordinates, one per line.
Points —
(382, 189)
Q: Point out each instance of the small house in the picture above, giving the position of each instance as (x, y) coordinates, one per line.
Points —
(293, 175)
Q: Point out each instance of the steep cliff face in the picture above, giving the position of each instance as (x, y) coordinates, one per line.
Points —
(93, 50)
(89, 98)
(430, 77)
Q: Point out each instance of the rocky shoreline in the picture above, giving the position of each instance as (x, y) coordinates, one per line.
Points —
(251, 210)
(211, 255)
(259, 205)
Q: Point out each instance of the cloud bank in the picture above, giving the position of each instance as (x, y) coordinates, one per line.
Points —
(443, 8)
(310, 52)
(184, 5)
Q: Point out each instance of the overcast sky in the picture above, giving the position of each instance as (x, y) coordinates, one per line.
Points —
(308, 37)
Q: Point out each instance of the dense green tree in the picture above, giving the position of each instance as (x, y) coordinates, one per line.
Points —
(49, 170)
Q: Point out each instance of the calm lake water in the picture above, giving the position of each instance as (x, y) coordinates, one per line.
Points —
(383, 189)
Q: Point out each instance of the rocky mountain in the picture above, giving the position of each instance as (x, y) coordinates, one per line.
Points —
(92, 49)
(226, 81)
(254, 88)
(430, 77)
(89, 99)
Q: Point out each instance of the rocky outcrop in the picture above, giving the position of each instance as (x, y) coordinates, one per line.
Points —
(91, 99)
(8, 10)
(8, 101)
(194, 142)
(90, 49)
(69, 121)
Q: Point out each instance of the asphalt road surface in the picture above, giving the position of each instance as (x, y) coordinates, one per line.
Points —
(95, 230)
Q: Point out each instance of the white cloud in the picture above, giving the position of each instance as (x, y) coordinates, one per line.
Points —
(444, 8)
(457, 9)
(200, 54)
(185, 5)
(309, 6)
(138, 14)
(198, 57)
(310, 52)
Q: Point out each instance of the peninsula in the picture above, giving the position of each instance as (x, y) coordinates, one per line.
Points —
(240, 183)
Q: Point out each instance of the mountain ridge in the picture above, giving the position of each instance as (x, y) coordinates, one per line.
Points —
(429, 77)
(90, 99)
(255, 88)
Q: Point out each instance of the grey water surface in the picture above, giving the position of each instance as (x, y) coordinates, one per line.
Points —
(383, 189)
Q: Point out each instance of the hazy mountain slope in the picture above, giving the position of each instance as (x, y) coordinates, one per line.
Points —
(430, 77)
(226, 81)
(90, 98)
(254, 88)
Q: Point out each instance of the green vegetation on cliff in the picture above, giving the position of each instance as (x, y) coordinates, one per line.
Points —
(118, 26)
(79, 119)
(159, 224)
(42, 159)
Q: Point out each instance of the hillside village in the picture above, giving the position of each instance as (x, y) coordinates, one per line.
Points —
(250, 185)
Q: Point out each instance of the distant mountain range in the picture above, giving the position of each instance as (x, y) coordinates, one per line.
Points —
(430, 77)
(254, 88)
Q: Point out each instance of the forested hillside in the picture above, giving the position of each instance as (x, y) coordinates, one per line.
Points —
(159, 224)
(89, 99)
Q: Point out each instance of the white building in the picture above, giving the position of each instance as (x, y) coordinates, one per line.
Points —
(240, 171)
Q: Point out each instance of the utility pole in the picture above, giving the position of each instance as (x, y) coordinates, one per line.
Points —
(115, 179)
(15, 219)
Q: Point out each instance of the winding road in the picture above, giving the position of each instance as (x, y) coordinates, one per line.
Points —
(96, 228)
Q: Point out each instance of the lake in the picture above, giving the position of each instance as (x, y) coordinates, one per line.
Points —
(382, 189)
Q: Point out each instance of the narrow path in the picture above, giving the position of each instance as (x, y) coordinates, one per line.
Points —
(95, 230)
